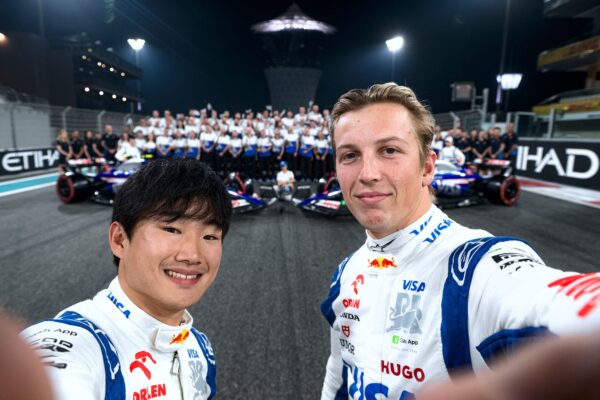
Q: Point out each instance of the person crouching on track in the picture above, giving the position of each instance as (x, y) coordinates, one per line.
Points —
(135, 339)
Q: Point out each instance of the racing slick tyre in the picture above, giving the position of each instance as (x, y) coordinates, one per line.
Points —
(504, 191)
(73, 188)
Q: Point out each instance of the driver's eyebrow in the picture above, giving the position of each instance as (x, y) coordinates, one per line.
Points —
(377, 142)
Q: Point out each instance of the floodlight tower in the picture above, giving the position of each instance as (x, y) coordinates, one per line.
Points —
(293, 43)
(137, 45)
(394, 44)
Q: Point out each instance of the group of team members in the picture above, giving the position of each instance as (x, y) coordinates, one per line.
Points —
(423, 300)
(459, 147)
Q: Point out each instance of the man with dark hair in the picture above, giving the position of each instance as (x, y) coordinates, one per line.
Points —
(135, 340)
(425, 297)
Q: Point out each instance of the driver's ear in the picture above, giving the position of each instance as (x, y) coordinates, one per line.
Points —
(117, 239)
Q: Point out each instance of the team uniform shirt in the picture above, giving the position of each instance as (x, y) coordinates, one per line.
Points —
(142, 129)
(180, 146)
(264, 144)
(250, 145)
(222, 143)
(453, 154)
(128, 152)
(191, 128)
(301, 118)
(108, 348)
(164, 143)
(291, 144)
(193, 146)
(150, 148)
(285, 177)
(140, 143)
(287, 122)
(235, 145)
(277, 145)
(321, 146)
(306, 145)
(317, 117)
(208, 140)
(434, 298)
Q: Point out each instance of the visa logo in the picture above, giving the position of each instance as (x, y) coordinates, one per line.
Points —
(437, 231)
(413, 286)
(119, 305)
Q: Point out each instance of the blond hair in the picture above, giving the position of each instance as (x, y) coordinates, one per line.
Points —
(422, 120)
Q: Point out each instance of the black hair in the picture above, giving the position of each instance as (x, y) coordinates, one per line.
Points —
(172, 189)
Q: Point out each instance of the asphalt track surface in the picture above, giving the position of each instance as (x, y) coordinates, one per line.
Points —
(262, 314)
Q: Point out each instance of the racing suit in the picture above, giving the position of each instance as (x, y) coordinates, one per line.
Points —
(413, 307)
(108, 348)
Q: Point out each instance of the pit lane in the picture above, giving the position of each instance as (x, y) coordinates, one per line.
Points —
(262, 313)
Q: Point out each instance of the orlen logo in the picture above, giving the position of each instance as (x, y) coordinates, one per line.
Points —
(180, 337)
(351, 303)
(152, 392)
(382, 263)
(580, 285)
(404, 371)
(140, 361)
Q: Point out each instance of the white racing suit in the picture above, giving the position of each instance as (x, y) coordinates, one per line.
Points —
(414, 307)
(107, 348)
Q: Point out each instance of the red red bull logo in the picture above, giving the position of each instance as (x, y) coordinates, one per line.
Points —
(382, 263)
(181, 337)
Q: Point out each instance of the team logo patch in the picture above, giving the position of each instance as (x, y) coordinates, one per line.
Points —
(346, 330)
(382, 263)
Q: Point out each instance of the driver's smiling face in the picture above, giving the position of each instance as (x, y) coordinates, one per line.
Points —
(167, 266)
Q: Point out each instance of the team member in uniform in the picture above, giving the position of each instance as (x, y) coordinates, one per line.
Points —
(307, 144)
(129, 152)
(135, 340)
(250, 145)
(451, 153)
(291, 148)
(264, 146)
(97, 147)
(277, 151)
(285, 182)
(193, 147)
(321, 147)
(77, 146)
(178, 145)
(235, 151)
(149, 149)
(425, 297)
(110, 143)
(63, 147)
(222, 152)
(208, 140)
(163, 144)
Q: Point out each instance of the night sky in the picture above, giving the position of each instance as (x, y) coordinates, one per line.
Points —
(204, 51)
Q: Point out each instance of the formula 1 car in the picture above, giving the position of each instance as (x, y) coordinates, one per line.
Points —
(493, 180)
(99, 181)
(96, 180)
(243, 197)
(327, 199)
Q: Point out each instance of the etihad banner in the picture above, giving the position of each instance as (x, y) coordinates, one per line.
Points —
(568, 162)
(17, 161)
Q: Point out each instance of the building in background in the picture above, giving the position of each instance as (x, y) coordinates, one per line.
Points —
(70, 71)
(293, 43)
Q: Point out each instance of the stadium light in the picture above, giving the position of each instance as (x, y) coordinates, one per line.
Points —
(124, 99)
(136, 44)
(86, 89)
(101, 93)
(114, 96)
(509, 81)
(394, 44)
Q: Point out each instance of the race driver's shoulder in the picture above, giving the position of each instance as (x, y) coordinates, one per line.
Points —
(64, 346)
